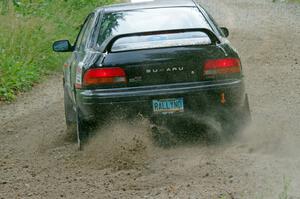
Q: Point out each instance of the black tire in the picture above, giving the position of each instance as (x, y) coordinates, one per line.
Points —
(77, 128)
(84, 128)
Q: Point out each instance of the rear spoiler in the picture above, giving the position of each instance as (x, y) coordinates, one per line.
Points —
(108, 43)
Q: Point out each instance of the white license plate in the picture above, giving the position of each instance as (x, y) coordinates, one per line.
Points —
(168, 105)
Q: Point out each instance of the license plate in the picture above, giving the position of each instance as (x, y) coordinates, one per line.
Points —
(168, 105)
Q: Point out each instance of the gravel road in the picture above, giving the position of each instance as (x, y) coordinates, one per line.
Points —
(38, 160)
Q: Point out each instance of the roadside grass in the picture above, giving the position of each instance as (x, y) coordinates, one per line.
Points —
(290, 1)
(286, 188)
(24, 53)
(27, 31)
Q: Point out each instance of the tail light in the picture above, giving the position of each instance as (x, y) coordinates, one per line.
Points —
(104, 76)
(225, 66)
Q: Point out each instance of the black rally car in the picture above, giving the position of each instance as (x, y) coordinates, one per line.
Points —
(158, 58)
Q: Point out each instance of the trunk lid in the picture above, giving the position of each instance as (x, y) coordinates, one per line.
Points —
(163, 65)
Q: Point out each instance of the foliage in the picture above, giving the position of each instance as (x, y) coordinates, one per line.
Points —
(27, 30)
(284, 193)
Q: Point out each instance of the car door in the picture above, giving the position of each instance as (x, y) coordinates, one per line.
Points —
(79, 52)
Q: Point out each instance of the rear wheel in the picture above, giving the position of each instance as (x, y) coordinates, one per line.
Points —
(85, 129)
(77, 128)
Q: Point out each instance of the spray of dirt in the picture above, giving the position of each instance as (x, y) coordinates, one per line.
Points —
(121, 145)
(270, 138)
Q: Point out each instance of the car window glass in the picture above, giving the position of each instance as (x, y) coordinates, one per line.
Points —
(145, 20)
(80, 38)
(87, 32)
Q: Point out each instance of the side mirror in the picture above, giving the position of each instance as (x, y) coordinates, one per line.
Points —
(62, 46)
(225, 31)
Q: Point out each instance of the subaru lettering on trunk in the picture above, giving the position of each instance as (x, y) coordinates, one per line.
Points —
(156, 70)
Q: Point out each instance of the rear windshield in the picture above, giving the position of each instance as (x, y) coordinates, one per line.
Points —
(145, 20)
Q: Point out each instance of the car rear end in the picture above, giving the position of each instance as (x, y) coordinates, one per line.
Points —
(162, 70)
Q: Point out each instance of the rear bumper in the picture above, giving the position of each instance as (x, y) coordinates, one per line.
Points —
(198, 96)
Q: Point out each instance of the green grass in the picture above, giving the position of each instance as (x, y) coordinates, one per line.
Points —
(286, 187)
(27, 31)
(291, 1)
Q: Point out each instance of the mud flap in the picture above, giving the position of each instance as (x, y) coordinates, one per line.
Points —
(247, 111)
(82, 131)
(70, 114)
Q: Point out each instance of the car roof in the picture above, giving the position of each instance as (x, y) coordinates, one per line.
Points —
(147, 5)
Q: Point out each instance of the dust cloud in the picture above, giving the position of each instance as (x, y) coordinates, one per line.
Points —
(120, 145)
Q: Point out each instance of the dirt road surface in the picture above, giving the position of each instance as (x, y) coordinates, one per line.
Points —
(38, 160)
